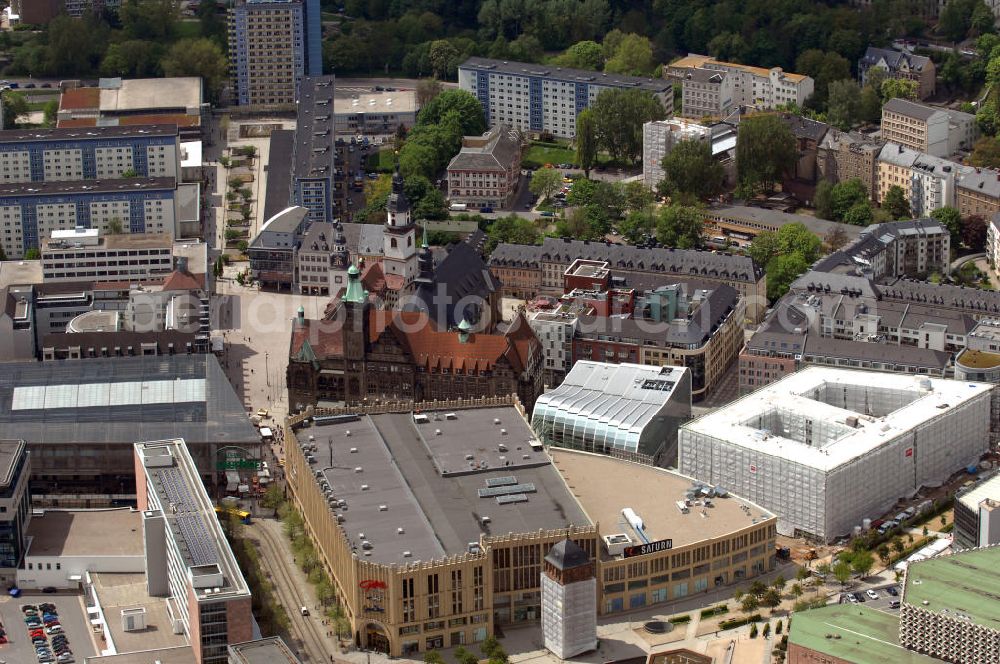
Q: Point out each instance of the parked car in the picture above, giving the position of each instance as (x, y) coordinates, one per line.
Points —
(859, 597)
(53, 629)
(851, 598)
(872, 595)
(547, 213)
(892, 591)
(486, 209)
(49, 590)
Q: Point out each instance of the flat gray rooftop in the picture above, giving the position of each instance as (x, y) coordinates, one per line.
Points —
(440, 515)
(502, 440)
(149, 409)
(378, 482)
(11, 452)
(271, 650)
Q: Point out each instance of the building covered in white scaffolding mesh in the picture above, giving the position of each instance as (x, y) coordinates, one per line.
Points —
(826, 448)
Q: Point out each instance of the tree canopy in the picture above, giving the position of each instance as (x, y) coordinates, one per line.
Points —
(691, 170)
(618, 119)
(765, 150)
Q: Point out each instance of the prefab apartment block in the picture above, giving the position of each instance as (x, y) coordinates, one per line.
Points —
(825, 448)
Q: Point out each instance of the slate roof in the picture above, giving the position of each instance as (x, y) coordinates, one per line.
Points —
(567, 555)
(501, 152)
(805, 128)
(428, 347)
(462, 277)
(682, 262)
(911, 109)
(893, 58)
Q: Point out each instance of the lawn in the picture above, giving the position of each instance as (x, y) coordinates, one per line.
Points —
(380, 161)
(539, 154)
(188, 29)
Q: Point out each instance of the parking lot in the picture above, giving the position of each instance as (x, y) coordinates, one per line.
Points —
(72, 616)
(884, 597)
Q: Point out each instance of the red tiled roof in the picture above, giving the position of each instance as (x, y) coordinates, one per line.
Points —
(324, 337)
(79, 98)
(179, 119)
(375, 280)
(183, 281)
(75, 123)
(124, 285)
(429, 347)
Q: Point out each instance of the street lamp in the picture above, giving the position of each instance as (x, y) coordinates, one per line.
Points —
(267, 375)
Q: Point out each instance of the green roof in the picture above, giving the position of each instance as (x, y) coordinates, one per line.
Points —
(964, 584)
(867, 636)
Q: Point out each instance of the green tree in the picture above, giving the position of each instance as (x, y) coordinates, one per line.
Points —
(433, 657)
(764, 247)
(951, 218)
(513, 229)
(680, 226)
(862, 563)
(797, 590)
(895, 203)
(841, 571)
(132, 58)
(956, 19)
(825, 67)
(75, 46)
(823, 199)
(468, 108)
(463, 656)
(637, 196)
(526, 48)
(443, 58)
(765, 150)
(490, 647)
(802, 574)
(15, 106)
(749, 603)
(545, 182)
(691, 171)
(796, 238)
(152, 20)
(636, 226)
(32, 254)
(782, 271)
(779, 582)
(843, 103)
(197, 57)
(898, 87)
(846, 195)
(586, 140)
(632, 56)
(771, 598)
(986, 153)
(213, 25)
(870, 109)
(115, 226)
(581, 55)
(860, 214)
(753, 631)
(618, 119)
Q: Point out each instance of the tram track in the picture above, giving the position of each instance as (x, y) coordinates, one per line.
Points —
(291, 596)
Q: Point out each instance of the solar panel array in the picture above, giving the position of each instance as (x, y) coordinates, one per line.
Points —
(501, 481)
(511, 499)
(490, 492)
(196, 538)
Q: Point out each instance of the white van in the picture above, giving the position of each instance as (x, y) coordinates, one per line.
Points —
(304, 611)
(458, 207)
